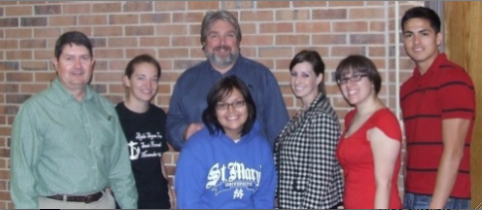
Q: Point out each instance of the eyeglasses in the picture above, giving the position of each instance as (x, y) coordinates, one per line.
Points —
(224, 106)
(353, 78)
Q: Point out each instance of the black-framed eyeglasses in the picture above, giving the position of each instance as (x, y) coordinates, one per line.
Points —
(353, 78)
(235, 104)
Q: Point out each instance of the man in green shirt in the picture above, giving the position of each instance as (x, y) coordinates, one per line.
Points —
(68, 149)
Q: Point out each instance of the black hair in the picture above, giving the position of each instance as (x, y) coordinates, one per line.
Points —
(359, 63)
(220, 91)
(316, 62)
(423, 13)
(72, 37)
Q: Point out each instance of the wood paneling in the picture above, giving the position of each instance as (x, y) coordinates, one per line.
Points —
(463, 45)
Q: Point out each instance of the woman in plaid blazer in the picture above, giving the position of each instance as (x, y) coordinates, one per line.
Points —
(309, 176)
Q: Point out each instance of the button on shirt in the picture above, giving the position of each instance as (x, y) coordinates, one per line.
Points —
(62, 146)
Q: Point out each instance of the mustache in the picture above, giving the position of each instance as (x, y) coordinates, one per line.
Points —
(223, 47)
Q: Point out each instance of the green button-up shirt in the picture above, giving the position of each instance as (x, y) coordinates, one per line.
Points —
(63, 146)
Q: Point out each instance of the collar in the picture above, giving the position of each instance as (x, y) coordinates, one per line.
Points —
(433, 67)
(64, 96)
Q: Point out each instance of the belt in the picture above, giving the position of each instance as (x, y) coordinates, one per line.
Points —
(76, 198)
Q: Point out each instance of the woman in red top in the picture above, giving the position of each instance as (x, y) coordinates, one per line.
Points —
(369, 149)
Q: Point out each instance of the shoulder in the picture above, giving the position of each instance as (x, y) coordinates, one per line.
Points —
(156, 110)
(193, 72)
(38, 99)
(256, 68)
(388, 123)
(451, 72)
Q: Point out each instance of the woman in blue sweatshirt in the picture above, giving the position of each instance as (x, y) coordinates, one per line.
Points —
(227, 164)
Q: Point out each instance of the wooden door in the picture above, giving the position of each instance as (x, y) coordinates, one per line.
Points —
(463, 45)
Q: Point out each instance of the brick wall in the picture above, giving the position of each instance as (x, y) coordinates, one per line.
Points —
(169, 30)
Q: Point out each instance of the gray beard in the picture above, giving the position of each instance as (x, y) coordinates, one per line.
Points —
(229, 60)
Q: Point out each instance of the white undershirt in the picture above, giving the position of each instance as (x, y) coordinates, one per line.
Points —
(236, 140)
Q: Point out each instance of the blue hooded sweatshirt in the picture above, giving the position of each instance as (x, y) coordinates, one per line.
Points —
(214, 172)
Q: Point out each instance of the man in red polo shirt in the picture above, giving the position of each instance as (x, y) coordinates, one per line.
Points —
(438, 105)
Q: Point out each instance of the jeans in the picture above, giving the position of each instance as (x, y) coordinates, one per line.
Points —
(416, 201)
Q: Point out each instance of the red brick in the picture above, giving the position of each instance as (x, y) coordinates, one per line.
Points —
(268, 62)
(8, 66)
(283, 64)
(33, 21)
(92, 20)
(8, 44)
(9, 2)
(289, 101)
(376, 51)
(34, 65)
(377, 26)
(19, 11)
(123, 19)
(16, 98)
(197, 53)
(346, 3)
(139, 30)
(173, 53)
(33, 43)
(323, 51)
(246, 28)
(235, 5)
(33, 2)
(9, 22)
(107, 76)
(273, 4)
(367, 39)
(309, 4)
(161, 99)
(49, 32)
(137, 6)
(33, 88)
(292, 39)
(170, 5)
(9, 88)
(325, 14)
(282, 75)
(256, 16)
(115, 42)
(62, 20)
(44, 76)
(185, 64)
(171, 30)
(108, 53)
(155, 41)
(2, 34)
(203, 5)
(367, 13)
(328, 39)
(87, 30)
(71, 9)
(47, 9)
(290, 15)
(108, 31)
(131, 53)
(106, 7)
(275, 52)
(19, 55)
(156, 18)
(19, 77)
(313, 27)
(185, 41)
(375, 3)
(117, 65)
(276, 27)
(353, 26)
(340, 51)
(187, 17)
(117, 88)
(257, 40)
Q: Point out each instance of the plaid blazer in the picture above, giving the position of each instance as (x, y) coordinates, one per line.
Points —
(309, 175)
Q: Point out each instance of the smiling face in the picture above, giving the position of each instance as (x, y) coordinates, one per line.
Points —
(421, 42)
(74, 67)
(232, 113)
(221, 47)
(143, 83)
(356, 87)
(304, 81)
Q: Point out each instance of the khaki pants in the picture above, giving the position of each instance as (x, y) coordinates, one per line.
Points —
(105, 202)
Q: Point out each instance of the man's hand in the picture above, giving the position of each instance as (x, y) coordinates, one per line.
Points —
(191, 129)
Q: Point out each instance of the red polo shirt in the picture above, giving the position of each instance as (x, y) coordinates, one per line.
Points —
(445, 91)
